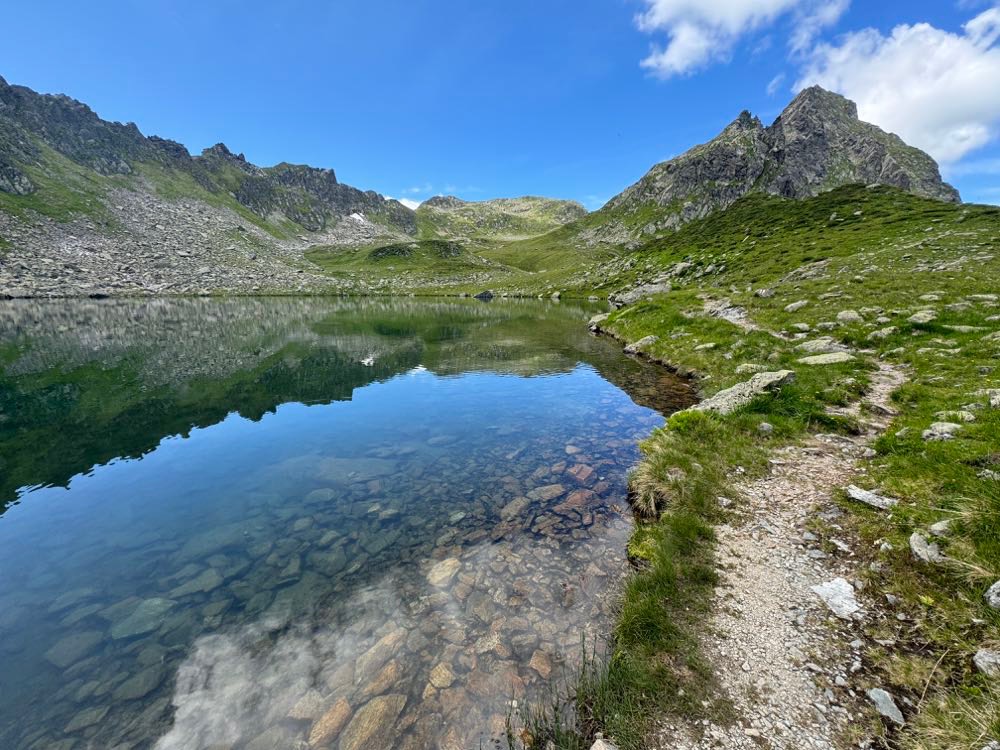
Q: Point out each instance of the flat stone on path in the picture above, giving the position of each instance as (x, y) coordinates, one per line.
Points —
(838, 595)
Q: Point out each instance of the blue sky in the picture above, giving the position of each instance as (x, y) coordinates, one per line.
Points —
(484, 99)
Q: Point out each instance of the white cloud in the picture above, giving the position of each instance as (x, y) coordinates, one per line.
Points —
(412, 204)
(424, 189)
(700, 32)
(937, 89)
(775, 84)
(810, 21)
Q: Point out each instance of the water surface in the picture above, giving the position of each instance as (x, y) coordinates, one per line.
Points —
(262, 523)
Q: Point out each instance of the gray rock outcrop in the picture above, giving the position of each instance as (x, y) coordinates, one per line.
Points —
(818, 143)
(741, 394)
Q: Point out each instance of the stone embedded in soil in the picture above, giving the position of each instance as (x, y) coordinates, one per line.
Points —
(72, 648)
(645, 342)
(940, 431)
(923, 317)
(838, 595)
(833, 358)
(372, 725)
(925, 551)
(988, 662)
(870, 498)
(886, 705)
(822, 345)
(330, 724)
(731, 399)
(992, 596)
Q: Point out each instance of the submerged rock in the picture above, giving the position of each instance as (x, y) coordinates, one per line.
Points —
(330, 724)
(74, 647)
(145, 618)
(372, 725)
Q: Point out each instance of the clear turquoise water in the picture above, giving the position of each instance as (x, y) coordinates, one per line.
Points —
(259, 523)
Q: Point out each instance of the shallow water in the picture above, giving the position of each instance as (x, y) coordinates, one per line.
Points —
(262, 523)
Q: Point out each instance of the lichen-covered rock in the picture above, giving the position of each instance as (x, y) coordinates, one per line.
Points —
(642, 344)
(833, 358)
(731, 399)
(870, 498)
(631, 296)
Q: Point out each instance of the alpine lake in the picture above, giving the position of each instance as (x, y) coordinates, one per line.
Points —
(269, 523)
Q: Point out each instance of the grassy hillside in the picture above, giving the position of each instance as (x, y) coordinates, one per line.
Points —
(490, 221)
(855, 265)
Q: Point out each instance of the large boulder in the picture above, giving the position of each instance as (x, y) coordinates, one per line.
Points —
(741, 394)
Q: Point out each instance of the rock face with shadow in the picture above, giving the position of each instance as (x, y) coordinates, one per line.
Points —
(817, 143)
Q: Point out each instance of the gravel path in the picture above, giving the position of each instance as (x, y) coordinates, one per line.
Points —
(787, 671)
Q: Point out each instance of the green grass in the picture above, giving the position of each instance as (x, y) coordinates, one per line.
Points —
(876, 251)
(64, 190)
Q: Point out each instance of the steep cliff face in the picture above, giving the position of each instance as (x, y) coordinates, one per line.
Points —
(32, 123)
(817, 144)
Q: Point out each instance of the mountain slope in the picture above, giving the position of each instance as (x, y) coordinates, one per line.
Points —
(447, 217)
(817, 144)
(33, 126)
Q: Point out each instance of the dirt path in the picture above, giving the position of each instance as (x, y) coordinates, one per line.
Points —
(786, 670)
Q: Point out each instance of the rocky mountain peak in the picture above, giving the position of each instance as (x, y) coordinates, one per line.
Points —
(444, 201)
(817, 99)
(818, 143)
